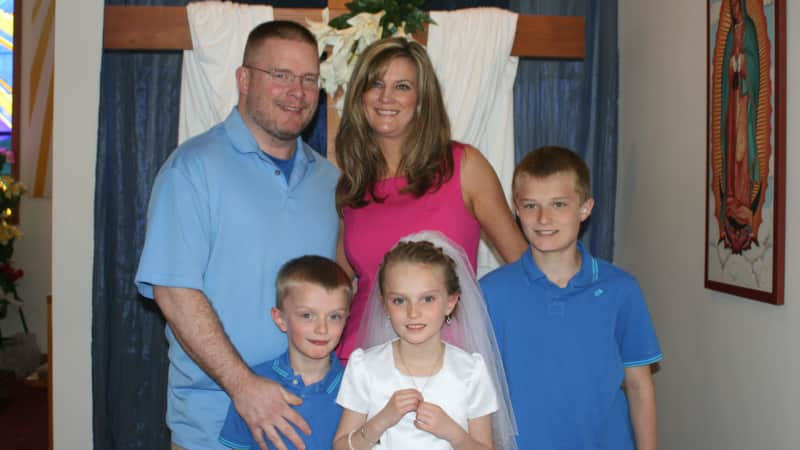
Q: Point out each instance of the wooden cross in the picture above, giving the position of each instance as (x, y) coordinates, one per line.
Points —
(167, 28)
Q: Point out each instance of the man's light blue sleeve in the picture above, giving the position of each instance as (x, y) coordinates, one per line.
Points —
(178, 241)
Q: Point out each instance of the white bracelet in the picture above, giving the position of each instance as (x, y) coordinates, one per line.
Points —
(350, 439)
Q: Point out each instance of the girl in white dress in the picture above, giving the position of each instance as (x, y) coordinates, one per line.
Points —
(432, 377)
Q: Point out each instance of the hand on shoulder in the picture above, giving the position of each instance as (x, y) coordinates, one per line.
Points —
(266, 408)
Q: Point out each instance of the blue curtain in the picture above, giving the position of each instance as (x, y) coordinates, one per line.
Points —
(137, 129)
(139, 97)
(574, 104)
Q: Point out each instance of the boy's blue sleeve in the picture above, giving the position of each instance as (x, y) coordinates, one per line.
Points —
(235, 433)
(635, 334)
(494, 314)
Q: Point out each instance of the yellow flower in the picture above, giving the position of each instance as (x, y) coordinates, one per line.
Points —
(8, 232)
(10, 187)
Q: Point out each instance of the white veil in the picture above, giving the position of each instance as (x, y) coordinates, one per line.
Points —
(470, 330)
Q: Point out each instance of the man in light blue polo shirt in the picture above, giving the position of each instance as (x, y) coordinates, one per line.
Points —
(228, 208)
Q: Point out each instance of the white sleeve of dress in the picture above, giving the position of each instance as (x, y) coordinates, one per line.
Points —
(481, 391)
(354, 390)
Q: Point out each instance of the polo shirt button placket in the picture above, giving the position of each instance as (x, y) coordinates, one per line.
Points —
(277, 172)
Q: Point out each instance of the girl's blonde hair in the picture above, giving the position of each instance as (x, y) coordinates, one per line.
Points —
(427, 161)
(420, 252)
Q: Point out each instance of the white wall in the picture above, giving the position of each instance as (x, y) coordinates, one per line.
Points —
(32, 253)
(729, 379)
(78, 48)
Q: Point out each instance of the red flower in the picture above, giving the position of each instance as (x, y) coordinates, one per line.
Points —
(11, 274)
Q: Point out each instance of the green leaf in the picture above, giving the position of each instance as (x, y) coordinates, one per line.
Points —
(396, 13)
(340, 22)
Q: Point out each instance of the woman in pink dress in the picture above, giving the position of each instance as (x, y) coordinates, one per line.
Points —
(401, 173)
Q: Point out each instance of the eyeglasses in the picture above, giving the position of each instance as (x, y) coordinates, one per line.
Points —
(286, 78)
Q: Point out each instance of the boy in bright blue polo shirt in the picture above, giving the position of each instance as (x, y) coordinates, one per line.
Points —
(312, 301)
(576, 339)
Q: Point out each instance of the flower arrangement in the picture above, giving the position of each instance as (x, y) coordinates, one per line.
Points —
(349, 34)
(10, 193)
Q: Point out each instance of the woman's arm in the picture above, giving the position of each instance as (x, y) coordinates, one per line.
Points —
(641, 394)
(484, 198)
(341, 257)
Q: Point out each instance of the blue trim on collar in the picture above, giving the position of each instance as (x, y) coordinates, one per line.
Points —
(587, 274)
(276, 366)
(335, 382)
(283, 367)
(231, 444)
(644, 362)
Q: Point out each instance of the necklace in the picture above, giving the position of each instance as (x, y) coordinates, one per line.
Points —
(430, 372)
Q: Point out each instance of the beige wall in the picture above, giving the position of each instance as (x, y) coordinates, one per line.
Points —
(78, 31)
(730, 370)
(32, 253)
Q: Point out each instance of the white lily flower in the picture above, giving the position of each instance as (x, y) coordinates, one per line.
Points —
(327, 79)
(321, 30)
(365, 20)
(345, 46)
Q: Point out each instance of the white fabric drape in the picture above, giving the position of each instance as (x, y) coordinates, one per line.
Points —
(208, 87)
(470, 50)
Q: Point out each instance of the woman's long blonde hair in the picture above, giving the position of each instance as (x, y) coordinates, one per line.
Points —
(427, 161)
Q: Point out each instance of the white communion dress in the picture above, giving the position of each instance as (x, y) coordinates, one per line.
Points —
(462, 388)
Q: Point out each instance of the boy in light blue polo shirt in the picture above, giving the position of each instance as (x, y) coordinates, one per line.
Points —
(576, 339)
(312, 301)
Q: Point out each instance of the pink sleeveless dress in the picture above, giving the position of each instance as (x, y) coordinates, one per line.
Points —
(371, 231)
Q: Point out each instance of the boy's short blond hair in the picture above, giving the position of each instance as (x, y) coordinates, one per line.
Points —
(550, 160)
(315, 270)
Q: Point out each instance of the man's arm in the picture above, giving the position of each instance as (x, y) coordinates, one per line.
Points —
(641, 394)
(263, 404)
